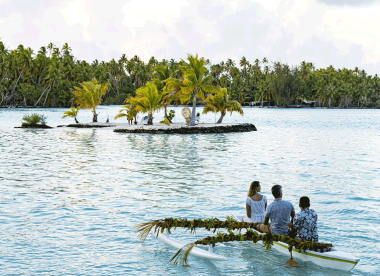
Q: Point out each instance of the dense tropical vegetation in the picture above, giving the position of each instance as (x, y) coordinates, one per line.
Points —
(48, 77)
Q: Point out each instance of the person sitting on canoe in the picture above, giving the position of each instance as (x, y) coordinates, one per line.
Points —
(305, 222)
(279, 212)
(256, 204)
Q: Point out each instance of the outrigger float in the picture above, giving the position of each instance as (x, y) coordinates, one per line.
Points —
(329, 258)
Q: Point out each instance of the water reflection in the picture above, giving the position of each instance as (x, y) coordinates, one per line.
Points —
(73, 196)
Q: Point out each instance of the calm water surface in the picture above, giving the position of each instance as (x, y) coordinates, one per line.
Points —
(70, 198)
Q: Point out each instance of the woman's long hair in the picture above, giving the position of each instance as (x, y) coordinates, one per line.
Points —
(252, 188)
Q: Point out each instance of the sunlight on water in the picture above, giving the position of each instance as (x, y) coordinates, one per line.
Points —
(70, 198)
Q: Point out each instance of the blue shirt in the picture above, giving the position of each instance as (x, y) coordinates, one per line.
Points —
(279, 214)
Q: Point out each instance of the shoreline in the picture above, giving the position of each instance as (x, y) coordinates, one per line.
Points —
(176, 128)
(184, 129)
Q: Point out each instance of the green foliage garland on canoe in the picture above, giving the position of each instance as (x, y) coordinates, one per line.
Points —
(182, 254)
(230, 224)
(213, 223)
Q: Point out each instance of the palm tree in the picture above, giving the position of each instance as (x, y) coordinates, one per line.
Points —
(229, 64)
(73, 113)
(220, 103)
(168, 91)
(129, 111)
(196, 82)
(123, 60)
(114, 70)
(147, 100)
(256, 71)
(89, 95)
(54, 77)
(50, 47)
(243, 63)
(66, 49)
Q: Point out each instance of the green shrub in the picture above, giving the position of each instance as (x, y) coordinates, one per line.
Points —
(167, 120)
(171, 115)
(34, 119)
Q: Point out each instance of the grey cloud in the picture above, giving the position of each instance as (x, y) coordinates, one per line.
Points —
(249, 31)
(322, 53)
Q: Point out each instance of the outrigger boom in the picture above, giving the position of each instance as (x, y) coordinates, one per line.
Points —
(333, 258)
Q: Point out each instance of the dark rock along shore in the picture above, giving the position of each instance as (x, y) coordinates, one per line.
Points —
(24, 125)
(86, 125)
(191, 130)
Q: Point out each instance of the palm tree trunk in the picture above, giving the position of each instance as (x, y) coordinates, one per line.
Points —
(6, 73)
(150, 119)
(14, 88)
(47, 95)
(95, 118)
(192, 122)
(165, 107)
(76, 121)
(117, 86)
(43, 92)
(221, 118)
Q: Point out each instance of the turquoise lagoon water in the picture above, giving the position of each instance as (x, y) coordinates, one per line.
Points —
(70, 198)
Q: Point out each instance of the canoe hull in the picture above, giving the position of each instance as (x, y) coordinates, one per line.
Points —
(197, 252)
(333, 259)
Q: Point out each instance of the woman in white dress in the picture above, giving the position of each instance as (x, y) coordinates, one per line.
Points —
(256, 204)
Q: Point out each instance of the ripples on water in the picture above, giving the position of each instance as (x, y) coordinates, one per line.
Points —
(70, 197)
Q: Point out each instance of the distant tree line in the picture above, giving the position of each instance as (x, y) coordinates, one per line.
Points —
(48, 77)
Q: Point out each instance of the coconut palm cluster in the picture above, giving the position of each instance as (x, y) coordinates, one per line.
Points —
(48, 76)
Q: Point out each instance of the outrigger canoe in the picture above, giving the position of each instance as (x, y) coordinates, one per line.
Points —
(332, 259)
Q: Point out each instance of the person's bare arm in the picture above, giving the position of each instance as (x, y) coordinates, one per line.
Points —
(265, 205)
(265, 227)
(292, 215)
(248, 208)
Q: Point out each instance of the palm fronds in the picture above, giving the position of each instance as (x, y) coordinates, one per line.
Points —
(180, 258)
(144, 228)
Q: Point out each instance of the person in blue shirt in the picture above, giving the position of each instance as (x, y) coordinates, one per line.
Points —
(280, 212)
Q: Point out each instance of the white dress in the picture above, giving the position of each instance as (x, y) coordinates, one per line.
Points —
(257, 210)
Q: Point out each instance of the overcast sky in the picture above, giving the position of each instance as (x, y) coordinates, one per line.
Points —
(342, 33)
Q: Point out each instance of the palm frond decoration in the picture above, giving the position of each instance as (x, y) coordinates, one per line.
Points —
(180, 258)
(213, 223)
(143, 229)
